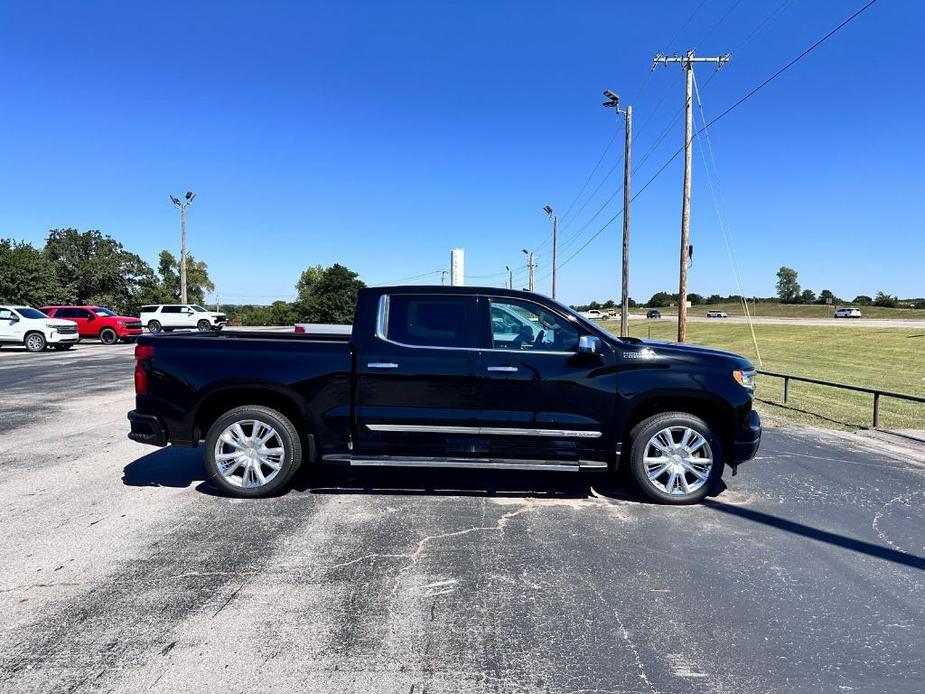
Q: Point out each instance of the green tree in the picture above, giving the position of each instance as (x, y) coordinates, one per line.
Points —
(92, 268)
(660, 299)
(788, 289)
(862, 300)
(327, 295)
(826, 294)
(695, 299)
(27, 276)
(883, 299)
(167, 287)
(281, 313)
(714, 299)
(808, 296)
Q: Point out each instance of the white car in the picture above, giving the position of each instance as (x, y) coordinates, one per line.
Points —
(23, 325)
(169, 317)
(848, 313)
(594, 314)
(717, 314)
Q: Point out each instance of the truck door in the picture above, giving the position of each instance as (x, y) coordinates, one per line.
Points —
(8, 326)
(542, 400)
(416, 380)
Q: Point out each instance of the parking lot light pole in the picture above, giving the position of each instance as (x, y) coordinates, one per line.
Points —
(614, 103)
(182, 205)
(555, 244)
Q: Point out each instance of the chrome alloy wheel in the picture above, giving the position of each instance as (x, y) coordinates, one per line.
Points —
(35, 343)
(678, 460)
(249, 454)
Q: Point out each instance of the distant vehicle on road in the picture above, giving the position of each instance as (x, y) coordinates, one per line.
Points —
(460, 377)
(27, 326)
(97, 321)
(717, 314)
(652, 313)
(848, 313)
(594, 314)
(167, 317)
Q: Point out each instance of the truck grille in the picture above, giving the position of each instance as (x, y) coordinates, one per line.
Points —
(220, 318)
(133, 326)
(66, 329)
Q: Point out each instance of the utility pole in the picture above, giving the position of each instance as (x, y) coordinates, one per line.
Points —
(687, 64)
(510, 277)
(182, 205)
(555, 245)
(442, 277)
(627, 148)
(531, 270)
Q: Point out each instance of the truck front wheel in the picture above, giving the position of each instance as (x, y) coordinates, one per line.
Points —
(252, 451)
(675, 457)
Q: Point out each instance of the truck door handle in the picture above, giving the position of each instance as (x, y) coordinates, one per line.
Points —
(382, 365)
(504, 369)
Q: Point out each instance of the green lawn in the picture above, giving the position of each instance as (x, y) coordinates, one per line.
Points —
(887, 358)
(799, 311)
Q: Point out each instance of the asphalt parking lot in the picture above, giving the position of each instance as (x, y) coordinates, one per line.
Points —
(123, 571)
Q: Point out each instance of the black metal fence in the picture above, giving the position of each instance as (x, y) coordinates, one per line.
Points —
(876, 392)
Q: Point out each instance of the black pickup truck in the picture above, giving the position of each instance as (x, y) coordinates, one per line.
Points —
(448, 377)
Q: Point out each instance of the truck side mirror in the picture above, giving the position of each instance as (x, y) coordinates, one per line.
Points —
(589, 344)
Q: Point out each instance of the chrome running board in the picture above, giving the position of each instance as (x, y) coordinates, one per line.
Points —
(479, 463)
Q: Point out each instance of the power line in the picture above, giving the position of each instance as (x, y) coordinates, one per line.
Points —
(726, 112)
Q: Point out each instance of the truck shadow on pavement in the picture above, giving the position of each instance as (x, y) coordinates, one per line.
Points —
(182, 467)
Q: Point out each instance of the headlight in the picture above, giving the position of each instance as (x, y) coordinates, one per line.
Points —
(746, 379)
(51, 325)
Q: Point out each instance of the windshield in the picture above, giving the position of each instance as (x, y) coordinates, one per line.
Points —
(100, 311)
(30, 313)
(574, 315)
(200, 309)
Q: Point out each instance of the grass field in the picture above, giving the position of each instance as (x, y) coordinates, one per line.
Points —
(887, 358)
(798, 311)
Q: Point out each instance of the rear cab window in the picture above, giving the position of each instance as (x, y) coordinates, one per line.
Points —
(422, 320)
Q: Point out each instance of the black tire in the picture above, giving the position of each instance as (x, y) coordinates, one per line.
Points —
(63, 348)
(204, 326)
(154, 326)
(656, 489)
(289, 440)
(35, 342)
(108, 336)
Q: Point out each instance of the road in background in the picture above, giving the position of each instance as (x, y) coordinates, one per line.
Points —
(840, 322)
(124, 571)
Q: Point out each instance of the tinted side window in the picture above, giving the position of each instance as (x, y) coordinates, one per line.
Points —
(430, 321)
(147, 309)
(81, 313)
(522, 326)
(66, 313)
(170, 309)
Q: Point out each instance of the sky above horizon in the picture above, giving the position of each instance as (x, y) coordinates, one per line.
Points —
(381, 135)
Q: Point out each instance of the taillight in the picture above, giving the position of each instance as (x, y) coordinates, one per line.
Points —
(299, 329)
(142, 354)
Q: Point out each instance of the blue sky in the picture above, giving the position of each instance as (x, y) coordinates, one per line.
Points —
(380, 135)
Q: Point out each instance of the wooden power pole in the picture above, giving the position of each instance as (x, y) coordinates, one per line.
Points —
(687, 64)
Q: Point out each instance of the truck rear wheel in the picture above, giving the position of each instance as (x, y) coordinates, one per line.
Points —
(675, 458)
(154, 326)
(252, 451)
(203, 326)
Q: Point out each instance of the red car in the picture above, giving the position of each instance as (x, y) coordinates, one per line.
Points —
(96, 321)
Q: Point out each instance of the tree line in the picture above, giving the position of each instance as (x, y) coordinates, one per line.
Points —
(790, 292)
(91, 268)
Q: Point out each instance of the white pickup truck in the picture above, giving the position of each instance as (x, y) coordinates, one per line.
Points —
(23, 325)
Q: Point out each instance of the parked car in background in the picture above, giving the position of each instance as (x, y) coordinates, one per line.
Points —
(652, 313)
(169, 317)
(97, 321)
(461, 377)
(594, 314)
(848, 313)
(27, 326)
(717, 314)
